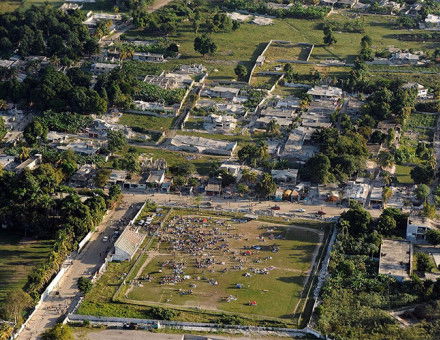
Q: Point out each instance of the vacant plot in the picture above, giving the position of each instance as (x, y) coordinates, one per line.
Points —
(421, 120)
(203, 163)
(17, 259)
(403, 175)
(217, 264)
(146, 122)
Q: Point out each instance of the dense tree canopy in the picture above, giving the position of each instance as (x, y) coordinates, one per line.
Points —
(45, 30)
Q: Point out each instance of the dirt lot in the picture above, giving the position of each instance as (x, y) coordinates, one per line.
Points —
(220, 264)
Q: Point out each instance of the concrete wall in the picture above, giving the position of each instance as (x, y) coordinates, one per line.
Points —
(192, 326)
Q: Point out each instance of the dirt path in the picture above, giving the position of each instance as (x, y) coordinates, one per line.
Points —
(158, 4)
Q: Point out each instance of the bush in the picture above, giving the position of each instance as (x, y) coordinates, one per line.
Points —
(59, 332)
(424, 262)
(84, 285)
(226, 319)
(160, 313)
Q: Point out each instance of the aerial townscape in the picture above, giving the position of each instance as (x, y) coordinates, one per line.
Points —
(219, 169)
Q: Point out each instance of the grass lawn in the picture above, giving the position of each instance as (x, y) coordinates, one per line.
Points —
(202, 162)
(232, 138)
(284, 283)
(403, 174)
(17, 259)
(236, 47)
(146, 122)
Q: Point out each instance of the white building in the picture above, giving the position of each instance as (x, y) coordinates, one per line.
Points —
(432, 21)
(156, 177)
(222, 123)
(325, 92)
(416, 228)
(202, 145)
(128, 243)
(422, 92)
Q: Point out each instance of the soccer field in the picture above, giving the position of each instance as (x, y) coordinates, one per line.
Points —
(218, 264)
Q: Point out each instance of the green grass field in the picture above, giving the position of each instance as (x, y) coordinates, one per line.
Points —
(417, 120)
(403, 174)
(283, 284)
(17, 259)
(146, 122)
(235, 47)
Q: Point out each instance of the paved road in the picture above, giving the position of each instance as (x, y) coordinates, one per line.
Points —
(285, 207)
(85, 264)
(117, 334)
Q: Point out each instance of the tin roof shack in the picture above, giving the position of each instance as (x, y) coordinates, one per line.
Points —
(417, 227)
(128, 243)
(395, 259)
(202, 145)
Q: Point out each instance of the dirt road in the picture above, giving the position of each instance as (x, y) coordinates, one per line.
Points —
(251, 206)
(84, 264)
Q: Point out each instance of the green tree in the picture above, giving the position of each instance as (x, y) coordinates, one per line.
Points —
(116, 140)
(317, 168)
(329, 37)
(243, 189)
(387, 192)
(84, 285)
(241, 72)
(101, 178)
(366, 41)
(422, 192)
(386, 225)
(422, 174)
(34, 132)
(204, 45)
(185, 169)
(358, 219)
(424, 262)
(59, 332)
(433, 236)
(429, 210)
(15, 304)
(273, 128)
(266, 186)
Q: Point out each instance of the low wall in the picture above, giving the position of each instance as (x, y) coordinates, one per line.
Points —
(192, 326)
(84, 241)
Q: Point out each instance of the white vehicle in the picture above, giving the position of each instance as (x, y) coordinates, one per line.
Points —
(299, 210)
(105, 239)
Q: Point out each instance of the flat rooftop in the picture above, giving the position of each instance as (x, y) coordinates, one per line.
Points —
(395, 258)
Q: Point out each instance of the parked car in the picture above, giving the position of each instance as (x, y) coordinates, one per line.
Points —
(299, 210)
(276, 207)
(105, 239)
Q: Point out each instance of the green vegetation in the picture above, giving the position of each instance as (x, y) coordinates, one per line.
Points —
(18, 258)
(146, 122)
(403, 174)
(356, 298)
